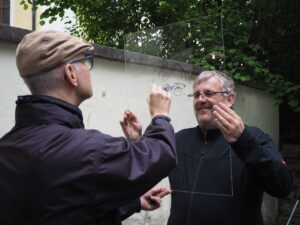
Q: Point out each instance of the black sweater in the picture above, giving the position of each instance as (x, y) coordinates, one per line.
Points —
(217, 183)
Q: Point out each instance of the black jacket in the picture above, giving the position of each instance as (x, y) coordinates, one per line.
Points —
(217, 183)
(53, 171)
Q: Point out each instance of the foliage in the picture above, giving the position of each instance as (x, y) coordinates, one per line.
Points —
(194, 35)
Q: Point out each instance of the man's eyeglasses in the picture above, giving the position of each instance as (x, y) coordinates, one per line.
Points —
(88, 60)
(206, 94)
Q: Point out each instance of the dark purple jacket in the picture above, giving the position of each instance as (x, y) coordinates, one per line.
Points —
(53, 171)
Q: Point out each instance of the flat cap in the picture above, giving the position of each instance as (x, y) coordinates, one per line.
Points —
(41, 51)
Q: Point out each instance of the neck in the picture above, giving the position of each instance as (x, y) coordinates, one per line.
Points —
(204, 131)
(205, 127)
(66, 96)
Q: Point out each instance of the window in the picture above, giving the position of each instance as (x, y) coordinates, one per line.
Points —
(4, 11)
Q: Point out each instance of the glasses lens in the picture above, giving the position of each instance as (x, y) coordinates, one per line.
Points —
(209, 94)
(89, 63)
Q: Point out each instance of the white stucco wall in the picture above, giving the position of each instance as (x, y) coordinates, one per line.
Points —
(117, 87)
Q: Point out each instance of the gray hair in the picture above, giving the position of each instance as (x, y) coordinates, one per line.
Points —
(227, 83)
(43, 82)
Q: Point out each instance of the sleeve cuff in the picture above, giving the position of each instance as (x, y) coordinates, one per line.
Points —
(244, 143)
(161, 117)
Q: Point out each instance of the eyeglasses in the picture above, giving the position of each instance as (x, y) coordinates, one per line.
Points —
(206, 94)
(88, 60)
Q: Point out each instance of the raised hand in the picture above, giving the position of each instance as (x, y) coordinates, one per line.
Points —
(159, 101)
(152, 199)
(131, 126)
(230, 124)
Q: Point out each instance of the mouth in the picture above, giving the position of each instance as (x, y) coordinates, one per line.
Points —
(204, 109)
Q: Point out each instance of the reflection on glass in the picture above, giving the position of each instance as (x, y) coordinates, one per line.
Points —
(198, 42)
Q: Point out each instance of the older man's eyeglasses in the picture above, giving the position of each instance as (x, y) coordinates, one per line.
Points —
(206, 94)
(88, 60)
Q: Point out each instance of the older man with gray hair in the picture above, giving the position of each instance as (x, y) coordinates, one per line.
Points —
(224, 166)
(53, 171)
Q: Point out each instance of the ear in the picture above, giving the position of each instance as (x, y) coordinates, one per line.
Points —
(71, 75)
(230, 100)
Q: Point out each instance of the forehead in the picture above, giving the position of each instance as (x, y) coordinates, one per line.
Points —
(212, 83)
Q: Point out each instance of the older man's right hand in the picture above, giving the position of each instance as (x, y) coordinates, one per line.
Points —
(159, 101)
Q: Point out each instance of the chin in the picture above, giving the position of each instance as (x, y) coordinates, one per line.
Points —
(88, 95)
(206, 120)
(206, 125)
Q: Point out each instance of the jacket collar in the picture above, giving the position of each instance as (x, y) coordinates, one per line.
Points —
(211, 133)
(40, 109)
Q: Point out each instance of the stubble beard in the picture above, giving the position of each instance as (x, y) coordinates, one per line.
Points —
(205, 120)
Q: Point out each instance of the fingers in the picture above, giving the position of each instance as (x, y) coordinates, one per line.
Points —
(222, 127)
(128, 118)
(226, 109)
(155, 89)
(211, 101)
(223, 119)
(131, 116)
(155, 200)
(152, 199)
(159, 192)
(131, 126)
(230, 124)
(122, 124)
(159, 101)
(164, 192)
(225, 115)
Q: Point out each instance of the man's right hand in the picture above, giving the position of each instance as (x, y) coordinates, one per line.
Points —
(159, 101)
(131, 126)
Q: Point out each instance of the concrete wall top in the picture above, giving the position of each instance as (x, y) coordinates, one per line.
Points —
(13, 34)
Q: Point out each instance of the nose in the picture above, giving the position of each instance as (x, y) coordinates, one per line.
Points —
(201, 98)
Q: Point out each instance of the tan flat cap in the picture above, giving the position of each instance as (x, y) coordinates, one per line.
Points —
(41, 51)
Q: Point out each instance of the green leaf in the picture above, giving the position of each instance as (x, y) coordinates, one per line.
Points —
(164, 4)
(245, 78)
(42, 22)
(278, 101)
(296, 109)
(237, 76)
(294, 102)
(293, 88)
(232, 51)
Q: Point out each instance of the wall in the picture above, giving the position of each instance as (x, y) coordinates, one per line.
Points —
(118, 86)
(23, 18)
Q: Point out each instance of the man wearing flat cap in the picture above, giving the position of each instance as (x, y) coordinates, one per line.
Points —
(53, 171)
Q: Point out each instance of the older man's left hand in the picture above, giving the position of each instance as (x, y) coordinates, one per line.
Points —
(230, 124)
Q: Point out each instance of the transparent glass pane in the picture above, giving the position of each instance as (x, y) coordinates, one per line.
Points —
(198, 174)
(199, 42)
(194, 41)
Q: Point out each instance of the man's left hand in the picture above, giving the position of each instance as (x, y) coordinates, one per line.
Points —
(230, 124)
(152, 199)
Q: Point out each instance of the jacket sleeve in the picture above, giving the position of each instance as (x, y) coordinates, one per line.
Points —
(264, 162)
(129, 209)
(124, 170)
